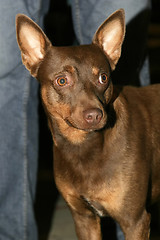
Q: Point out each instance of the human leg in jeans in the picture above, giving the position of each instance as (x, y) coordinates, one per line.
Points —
(133, 66)
(18, 127)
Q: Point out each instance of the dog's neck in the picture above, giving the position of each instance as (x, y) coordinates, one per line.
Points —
(75, 143)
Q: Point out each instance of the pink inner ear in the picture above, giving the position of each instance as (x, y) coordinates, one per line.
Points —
(32, 43)
(112, 38)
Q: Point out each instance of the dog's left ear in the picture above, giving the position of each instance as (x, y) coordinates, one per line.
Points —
(110, 36)
(32, 42)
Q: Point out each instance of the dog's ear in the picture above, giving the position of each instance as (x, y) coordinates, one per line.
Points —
(110, 36)
(32, 42)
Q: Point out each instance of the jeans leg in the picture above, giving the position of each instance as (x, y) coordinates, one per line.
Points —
(89, 14)
(18, 128)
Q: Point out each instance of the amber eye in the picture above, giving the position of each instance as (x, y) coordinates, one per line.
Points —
(62, 81)
(103, 78)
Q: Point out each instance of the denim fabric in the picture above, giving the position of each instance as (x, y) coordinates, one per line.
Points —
(18, 127)
(89, 14)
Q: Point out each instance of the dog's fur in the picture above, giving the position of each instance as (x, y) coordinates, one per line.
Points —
(106, 139)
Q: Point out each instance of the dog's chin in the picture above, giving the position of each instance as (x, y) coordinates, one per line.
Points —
(86, 128)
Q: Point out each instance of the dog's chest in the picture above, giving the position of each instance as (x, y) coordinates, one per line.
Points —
(102, 197)
(102, 201)
(95, 206)
(92, 183)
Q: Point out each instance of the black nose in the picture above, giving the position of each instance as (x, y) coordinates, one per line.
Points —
(92, 116)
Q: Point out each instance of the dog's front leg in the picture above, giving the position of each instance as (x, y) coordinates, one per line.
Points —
(87, 226)
(139, 229)
(87, 222)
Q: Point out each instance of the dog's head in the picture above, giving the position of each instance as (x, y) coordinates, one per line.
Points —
(75, 81)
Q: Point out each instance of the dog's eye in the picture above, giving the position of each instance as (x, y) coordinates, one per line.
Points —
(62, 81)
(103, 78)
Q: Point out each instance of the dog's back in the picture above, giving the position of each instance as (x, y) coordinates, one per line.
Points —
(143, 106)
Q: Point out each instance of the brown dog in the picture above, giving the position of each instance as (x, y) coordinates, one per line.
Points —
(106, 139)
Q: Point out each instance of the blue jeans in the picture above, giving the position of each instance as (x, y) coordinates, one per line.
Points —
(18, 127)
(133, 67)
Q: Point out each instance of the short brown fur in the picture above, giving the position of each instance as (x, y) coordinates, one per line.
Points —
(107, 139)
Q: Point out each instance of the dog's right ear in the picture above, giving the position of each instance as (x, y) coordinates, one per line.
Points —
(32, 42)
(110, 35)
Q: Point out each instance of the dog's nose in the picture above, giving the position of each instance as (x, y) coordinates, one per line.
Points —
(92, 116)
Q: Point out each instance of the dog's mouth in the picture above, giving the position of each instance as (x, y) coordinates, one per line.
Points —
(90, 120)
(77, 130)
